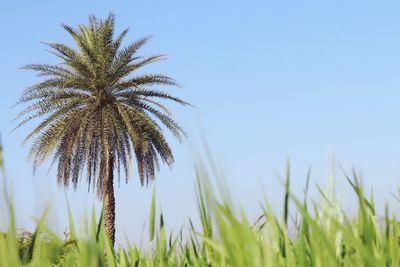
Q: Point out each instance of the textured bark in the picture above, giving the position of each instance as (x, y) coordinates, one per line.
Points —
(109, 203)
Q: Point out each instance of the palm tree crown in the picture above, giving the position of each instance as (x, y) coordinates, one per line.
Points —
(97, 111)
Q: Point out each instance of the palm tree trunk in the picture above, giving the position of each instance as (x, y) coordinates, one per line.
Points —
(109, 203)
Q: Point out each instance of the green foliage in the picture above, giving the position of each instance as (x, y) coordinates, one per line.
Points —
(323, 237)
(97, 109)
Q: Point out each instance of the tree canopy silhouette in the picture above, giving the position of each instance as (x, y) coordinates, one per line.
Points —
(98, 112)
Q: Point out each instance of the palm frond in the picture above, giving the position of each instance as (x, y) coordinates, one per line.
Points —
(97, 113)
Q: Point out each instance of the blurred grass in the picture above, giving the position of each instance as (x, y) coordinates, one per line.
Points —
(323, 236)
(1, 157)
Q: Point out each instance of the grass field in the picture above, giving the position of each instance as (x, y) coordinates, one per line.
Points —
(322, 235)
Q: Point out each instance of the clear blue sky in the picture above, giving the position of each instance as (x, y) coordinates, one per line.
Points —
(309, 80)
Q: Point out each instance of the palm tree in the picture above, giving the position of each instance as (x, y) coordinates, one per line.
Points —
(99, 112)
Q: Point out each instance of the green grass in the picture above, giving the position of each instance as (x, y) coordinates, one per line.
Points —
(323, 236)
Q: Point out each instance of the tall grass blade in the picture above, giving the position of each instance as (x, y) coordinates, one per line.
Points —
(152, 215)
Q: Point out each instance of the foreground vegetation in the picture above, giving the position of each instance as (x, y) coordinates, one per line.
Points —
(321, 236)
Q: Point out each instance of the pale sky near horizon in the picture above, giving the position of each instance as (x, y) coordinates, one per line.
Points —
(312, 81)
